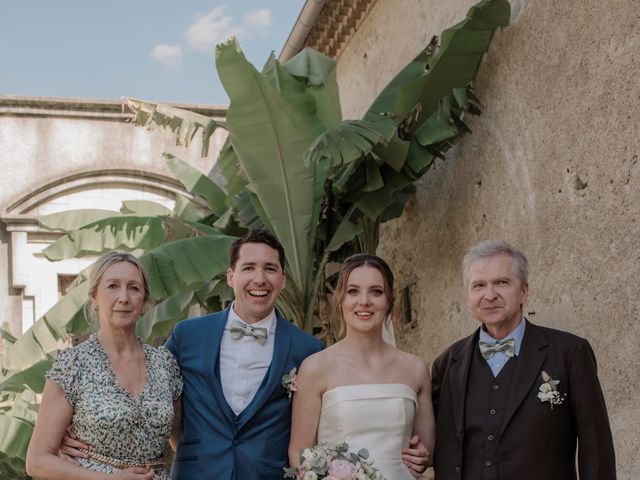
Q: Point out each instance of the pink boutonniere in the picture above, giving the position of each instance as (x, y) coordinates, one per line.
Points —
(289, 382)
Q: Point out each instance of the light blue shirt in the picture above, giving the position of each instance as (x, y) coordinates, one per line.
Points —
(500, 358)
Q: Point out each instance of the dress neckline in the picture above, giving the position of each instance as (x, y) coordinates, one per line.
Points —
(378, 386)
(112, 373)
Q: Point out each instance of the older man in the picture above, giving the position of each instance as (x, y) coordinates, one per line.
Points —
(515, 400)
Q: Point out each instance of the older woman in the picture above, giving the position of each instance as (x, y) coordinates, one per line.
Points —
(112, 392)
(362, 390)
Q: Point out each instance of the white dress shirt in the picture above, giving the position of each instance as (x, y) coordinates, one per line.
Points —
(244, 362)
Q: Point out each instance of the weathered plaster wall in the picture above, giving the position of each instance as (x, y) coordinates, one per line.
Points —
(552, 167)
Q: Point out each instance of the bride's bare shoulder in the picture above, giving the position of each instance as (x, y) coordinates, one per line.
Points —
(413, 363)
(318, 362)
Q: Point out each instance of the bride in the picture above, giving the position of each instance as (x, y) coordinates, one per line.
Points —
(362, 390)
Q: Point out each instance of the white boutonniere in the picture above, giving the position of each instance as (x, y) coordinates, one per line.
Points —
(549, 391)
(289, 382)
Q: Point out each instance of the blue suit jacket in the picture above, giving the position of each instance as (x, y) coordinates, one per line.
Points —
(215, 443)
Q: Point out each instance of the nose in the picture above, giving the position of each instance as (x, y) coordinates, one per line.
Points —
(490, 293)
(364, 299)
(123, 295)
(259, 276)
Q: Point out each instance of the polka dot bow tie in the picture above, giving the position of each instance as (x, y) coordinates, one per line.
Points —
(488, 350)
(239, 329)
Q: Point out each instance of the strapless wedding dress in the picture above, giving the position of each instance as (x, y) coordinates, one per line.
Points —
(378, 417)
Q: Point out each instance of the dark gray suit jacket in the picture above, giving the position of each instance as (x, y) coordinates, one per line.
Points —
(535, 441)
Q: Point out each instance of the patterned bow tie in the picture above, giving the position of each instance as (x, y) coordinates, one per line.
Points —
(239, 329)
(488, 350)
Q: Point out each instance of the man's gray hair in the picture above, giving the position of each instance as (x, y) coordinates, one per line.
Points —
(491, 248)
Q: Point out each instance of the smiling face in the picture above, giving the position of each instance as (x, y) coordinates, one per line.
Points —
(119, 296)
(365, 304)
(496, 294)
(256, 279)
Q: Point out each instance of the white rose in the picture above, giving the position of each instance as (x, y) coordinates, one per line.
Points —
(545, 396)
(545, 387)
(310, 475)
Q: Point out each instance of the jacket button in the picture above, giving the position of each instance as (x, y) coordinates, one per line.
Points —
(496, 387)
(490, 437)
(492, 412)
(457, 470)
(236, 442)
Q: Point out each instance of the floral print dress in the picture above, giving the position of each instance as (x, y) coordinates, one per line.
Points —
(106, 416)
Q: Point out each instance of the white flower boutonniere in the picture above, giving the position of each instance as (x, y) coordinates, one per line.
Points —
(549, 391)
(289, 382)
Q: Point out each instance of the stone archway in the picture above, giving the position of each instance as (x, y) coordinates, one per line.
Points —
(39, 280)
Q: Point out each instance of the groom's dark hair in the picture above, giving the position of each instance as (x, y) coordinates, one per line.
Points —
(255, 236)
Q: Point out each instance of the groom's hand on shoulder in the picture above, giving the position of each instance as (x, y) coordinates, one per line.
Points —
(416, 457)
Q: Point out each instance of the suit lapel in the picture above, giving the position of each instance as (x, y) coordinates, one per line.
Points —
(211, 363)
(459, 375)
(273, 377)
(527, 372)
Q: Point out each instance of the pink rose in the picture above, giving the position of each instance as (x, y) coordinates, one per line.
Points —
(342, 470)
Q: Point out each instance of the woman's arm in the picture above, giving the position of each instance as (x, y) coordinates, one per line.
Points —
(424, 424)
(307, 402)
(43, 462)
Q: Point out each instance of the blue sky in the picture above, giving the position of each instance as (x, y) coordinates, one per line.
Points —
(152, 49)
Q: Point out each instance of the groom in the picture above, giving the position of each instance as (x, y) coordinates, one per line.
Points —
(236, 413)
(514, 400)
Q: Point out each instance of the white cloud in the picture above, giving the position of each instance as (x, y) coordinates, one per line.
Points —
(258, 19)
(211, 29)
(169, 55)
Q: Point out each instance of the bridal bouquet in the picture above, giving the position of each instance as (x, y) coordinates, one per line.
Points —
(334, 462)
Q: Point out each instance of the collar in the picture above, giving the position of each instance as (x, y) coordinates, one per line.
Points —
(268, 322)
(517, 334)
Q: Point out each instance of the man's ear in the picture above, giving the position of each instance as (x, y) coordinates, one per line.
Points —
(230, 277)
(525, 293)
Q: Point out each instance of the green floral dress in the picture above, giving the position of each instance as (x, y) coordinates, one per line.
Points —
(107, 417)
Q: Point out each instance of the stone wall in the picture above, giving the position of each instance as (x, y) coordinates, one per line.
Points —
(552, 167)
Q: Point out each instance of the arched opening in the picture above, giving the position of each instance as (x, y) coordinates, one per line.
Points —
(42, 282)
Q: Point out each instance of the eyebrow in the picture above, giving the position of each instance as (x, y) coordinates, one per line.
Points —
(120, 280)
(250, 264)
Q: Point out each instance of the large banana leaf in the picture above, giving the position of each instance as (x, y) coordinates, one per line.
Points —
(186, 264)
(45, 335)
(269, 134)
(145, 208)
(16, 427)
(73, 219)
(124, 232)
(456, 61)
(184, 123)
(198, 183)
